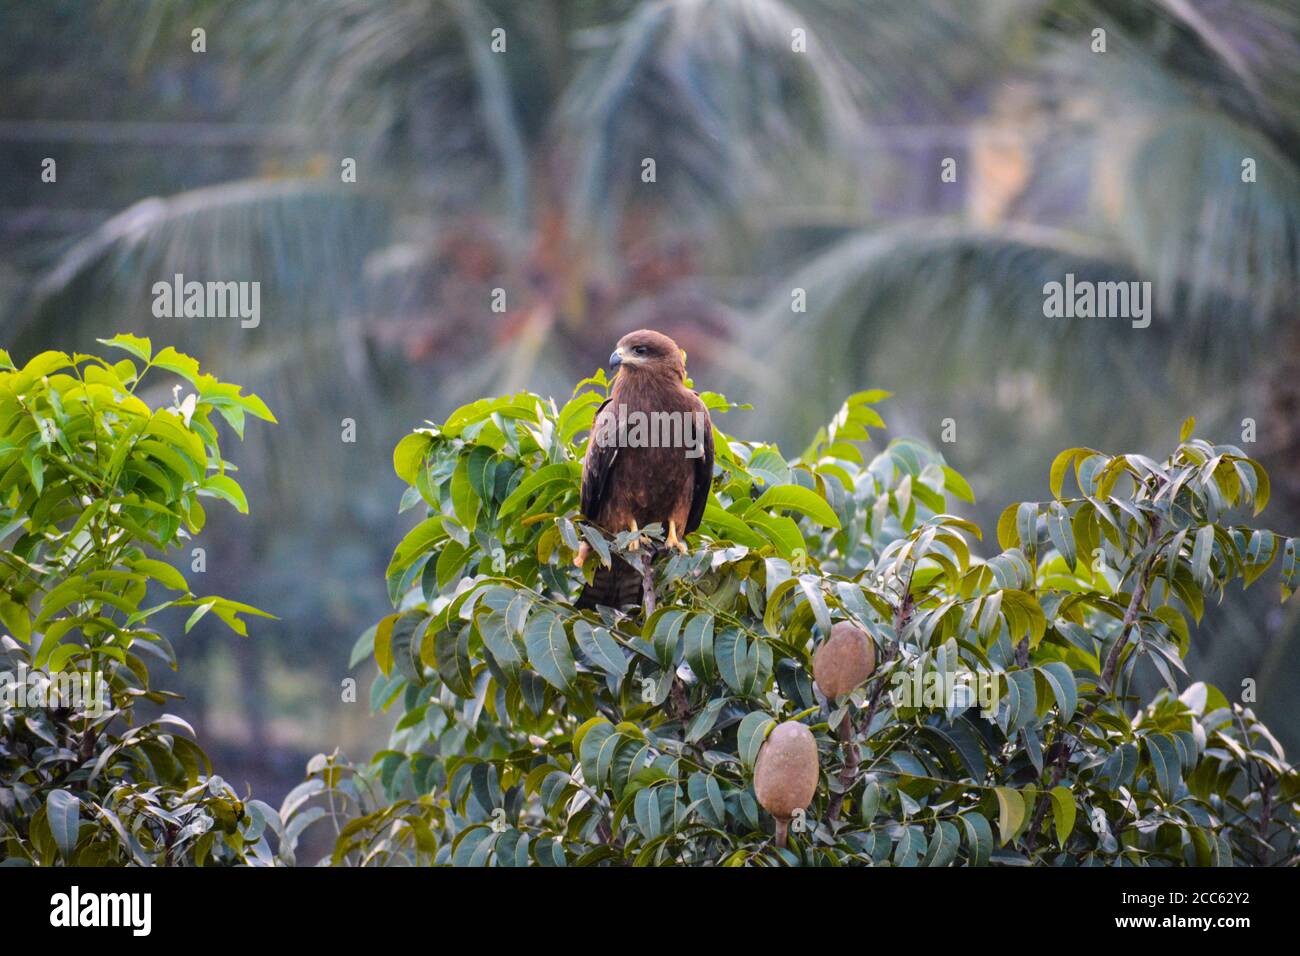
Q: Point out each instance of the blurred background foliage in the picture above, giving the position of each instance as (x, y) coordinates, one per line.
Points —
(776, 171)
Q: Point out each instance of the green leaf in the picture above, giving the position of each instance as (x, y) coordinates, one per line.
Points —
(647, 812)
(1011, 813)
(702, 788)
(548, 649)
(869, 805)
(663, 632)
(1290, 564)
(141, 348)
(751, 733)
(451, 652)
(474, 847)
(979, 837)
(781, 530)
(911, 843)
(727, 526)
(704, 721)
(944, 844)
(464, 500)
(1202, 551)
(800, 499)
(1165, 762)
(63, 811)
(1027, 530)
(200, 611)
(697, 641)
(16, 618)
(226, 488)
(417, 541)
(1061, 464)
(958, 486)
(561, 474)
(177, 363)
(506, 649)
(162, 572)
(384, 644)
(1007, 523)
(810, 584)
(409, 454)
(598, 543)
(1064, 688)
(743, 664)
(601, 649)
(1063, 811)
(1059, 529)
(583, 729)
(482, 463)
(598, 746)
(1263, 490)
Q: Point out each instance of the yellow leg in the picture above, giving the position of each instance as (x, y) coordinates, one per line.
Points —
(584, 551)
(673, 541)
(635, 543)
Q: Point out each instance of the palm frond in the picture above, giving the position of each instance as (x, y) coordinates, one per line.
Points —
(497, 108)
(1165, 124)
(961, 308)
(400, 85)
(715, 93)
(304, 240)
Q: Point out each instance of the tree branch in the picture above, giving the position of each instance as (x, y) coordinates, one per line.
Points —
(1108, 673)
(852, 759)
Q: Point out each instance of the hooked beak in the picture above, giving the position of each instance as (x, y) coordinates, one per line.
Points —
(616, 358)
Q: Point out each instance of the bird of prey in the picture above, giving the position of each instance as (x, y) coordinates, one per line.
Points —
(649, 459)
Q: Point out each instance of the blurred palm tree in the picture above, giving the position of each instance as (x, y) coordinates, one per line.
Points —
(798, 144)
(1130, 162)
(520, 167)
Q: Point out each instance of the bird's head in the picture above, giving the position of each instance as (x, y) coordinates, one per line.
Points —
(646, 351)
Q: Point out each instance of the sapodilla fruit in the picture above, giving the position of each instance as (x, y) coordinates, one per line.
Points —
(844, 660)
(786, 772)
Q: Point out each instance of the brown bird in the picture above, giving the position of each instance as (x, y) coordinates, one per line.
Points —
(649, 459)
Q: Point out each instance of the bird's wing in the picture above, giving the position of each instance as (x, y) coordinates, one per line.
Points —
(703, 474)
(597, 466)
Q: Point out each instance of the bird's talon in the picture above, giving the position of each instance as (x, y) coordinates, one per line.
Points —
(673, 541)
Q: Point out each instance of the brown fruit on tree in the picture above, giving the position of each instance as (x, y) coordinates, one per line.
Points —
(785, 775)
(844, 660)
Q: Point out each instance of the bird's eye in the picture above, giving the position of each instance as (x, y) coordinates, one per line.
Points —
(639, 349)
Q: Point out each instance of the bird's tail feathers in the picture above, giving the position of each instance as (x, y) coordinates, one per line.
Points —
(617, 586)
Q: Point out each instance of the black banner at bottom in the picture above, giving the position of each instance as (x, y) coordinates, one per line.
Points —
(337, 905)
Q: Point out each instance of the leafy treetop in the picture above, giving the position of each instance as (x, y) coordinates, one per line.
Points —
(1001, 724)
(96, 486)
